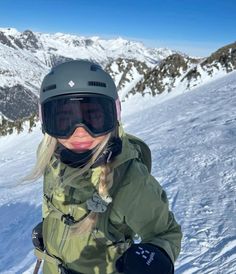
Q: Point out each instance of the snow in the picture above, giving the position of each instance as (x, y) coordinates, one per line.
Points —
(100, 50)
(133, 77)
(27, 66)
(20, 67)
(10, 31)
(193, 141)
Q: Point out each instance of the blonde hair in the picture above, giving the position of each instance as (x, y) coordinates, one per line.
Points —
(44, 154)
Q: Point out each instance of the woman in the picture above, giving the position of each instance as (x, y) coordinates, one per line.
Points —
(103, 213)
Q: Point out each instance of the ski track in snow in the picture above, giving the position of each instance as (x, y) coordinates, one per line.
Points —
(193, 143)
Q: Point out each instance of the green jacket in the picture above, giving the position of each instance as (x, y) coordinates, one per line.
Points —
(139, 207)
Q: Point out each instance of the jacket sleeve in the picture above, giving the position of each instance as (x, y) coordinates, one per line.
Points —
(143, 204)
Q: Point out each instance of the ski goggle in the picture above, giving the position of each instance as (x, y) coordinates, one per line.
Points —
(61, 115)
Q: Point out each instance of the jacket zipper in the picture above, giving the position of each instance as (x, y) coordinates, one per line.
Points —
(65, 233)
(52, 230)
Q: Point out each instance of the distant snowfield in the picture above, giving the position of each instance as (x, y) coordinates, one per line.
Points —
(193, 143)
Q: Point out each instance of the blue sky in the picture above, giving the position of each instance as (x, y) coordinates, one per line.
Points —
(197, 27)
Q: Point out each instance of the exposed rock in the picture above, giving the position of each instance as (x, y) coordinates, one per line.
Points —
(17, 42)
(164, 75)
(5, 41)
(29, 40)
(193, 74)
(56, 60)
(88, 42)
(225, 56)
(124, 68)
(17, 102)
(7, 126)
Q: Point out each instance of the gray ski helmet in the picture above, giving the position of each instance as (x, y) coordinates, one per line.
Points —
(78, 76)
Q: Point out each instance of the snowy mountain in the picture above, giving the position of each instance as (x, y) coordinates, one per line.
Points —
(126, 74)
(25, 57)
(194, 158)
(178, 72)
(219, 63)
(166, 75)
(49, 48)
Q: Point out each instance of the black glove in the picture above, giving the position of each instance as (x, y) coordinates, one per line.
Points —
(37, 236)
(144, 259)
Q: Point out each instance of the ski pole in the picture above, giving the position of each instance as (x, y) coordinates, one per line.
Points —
(37, 266)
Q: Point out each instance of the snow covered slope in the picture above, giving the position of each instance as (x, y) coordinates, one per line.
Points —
(193, 142)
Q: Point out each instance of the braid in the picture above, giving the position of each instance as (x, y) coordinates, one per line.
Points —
(89, 222)
(105, 183)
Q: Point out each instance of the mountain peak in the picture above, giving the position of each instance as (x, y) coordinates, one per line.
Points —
(225, 56)
(10, 31)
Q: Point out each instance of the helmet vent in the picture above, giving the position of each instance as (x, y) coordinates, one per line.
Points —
(51, 87)
(94, 67)
(97, 84)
